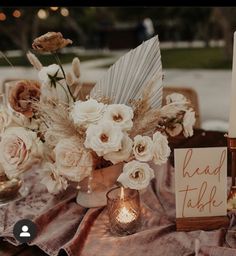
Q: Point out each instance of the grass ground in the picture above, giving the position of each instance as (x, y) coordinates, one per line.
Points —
(194, 58)
(49, 59)
(184, 58)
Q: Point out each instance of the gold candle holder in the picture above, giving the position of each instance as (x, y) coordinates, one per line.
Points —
(124, 212)
(231, 202)
(8, 188)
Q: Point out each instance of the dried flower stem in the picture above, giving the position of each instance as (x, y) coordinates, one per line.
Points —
(63, 72)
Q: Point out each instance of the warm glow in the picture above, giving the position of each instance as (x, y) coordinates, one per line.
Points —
(16, 14)
(54, 8)
(64, 12)
(125, 215)
(2, 16)
(42, 14)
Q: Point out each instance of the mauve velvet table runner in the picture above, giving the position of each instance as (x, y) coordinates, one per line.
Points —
(64, 225)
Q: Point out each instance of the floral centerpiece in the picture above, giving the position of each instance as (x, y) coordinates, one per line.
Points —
(94, 140)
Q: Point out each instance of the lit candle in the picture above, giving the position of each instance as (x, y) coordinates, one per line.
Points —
(125, 215)
(232, 115)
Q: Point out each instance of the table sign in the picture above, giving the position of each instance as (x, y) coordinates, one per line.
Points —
(201, 188)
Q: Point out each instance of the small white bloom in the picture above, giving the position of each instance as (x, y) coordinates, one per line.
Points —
(176, 98)
(136, 175)
(188, 123)
(143, 148)
(123, 154)
(19, 150)
(50, 177)
(47, 73)
(103, 138)
(72, 160)
(161, 149)
(87, 112)
(5, 119)
(120, 115)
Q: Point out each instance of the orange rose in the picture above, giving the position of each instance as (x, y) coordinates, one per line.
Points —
(50, 42)
(22, 95)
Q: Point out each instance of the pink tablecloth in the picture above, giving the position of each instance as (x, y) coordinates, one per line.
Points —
(64, 225)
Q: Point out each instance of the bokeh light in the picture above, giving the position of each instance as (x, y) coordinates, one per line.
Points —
(16, 14)
(2, 16)
(65, 12)
(42, 14)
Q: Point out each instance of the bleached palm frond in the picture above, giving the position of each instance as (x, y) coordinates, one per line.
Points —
(128, 77)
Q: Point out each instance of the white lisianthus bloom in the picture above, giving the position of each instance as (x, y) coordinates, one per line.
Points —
(5, 119)
(19, 150)
(51, 178)
(161, 149)
(123, 154)
(136, 175)
(47, 74)
(143, 148)
(176, 98)
(121, 115)
(54, 87)
(87, 112)
(188, 123)
(73, 161)
(103, 138)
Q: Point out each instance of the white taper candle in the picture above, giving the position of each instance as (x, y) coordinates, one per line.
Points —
(232, 115)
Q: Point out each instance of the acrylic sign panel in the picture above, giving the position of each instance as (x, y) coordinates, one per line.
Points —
(201, 182)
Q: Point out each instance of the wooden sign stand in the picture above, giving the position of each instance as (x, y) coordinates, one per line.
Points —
(202, 223)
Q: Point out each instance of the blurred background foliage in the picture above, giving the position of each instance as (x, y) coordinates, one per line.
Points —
(115, 28)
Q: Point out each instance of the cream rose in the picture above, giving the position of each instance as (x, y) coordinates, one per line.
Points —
(120, 115)
(72, 160)
(19, 150)
(87, 112)
(123, 154)
(51, 178)
(161, 149)
(136, 175)
(188, 122)
(176, 98)
(5, 119)
(103, 138)
(143, 148)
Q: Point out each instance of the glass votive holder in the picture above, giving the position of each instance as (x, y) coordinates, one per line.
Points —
(123, 205)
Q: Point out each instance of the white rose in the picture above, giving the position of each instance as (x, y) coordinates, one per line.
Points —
(72, 160)
(19, 150)
(87, 112)
(161, 149)
(120, 115)
(143, 148)
(136, 175)
(103, 138)
(5, 119)
(176, 98)
(51, 178)
(46, 74)
(123, 154)
(188, 122)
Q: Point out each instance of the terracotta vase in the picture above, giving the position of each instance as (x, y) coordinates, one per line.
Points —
(102, 181)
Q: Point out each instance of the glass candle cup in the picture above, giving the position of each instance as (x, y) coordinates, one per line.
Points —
(123, 205)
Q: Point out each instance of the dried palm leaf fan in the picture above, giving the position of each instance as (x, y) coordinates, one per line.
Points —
(129, 76)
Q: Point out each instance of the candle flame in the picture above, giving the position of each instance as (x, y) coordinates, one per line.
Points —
(122, 193)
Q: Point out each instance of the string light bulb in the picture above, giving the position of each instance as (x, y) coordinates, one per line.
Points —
(2, 16)
(16, 14)
(42, 14)
(65, 12)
